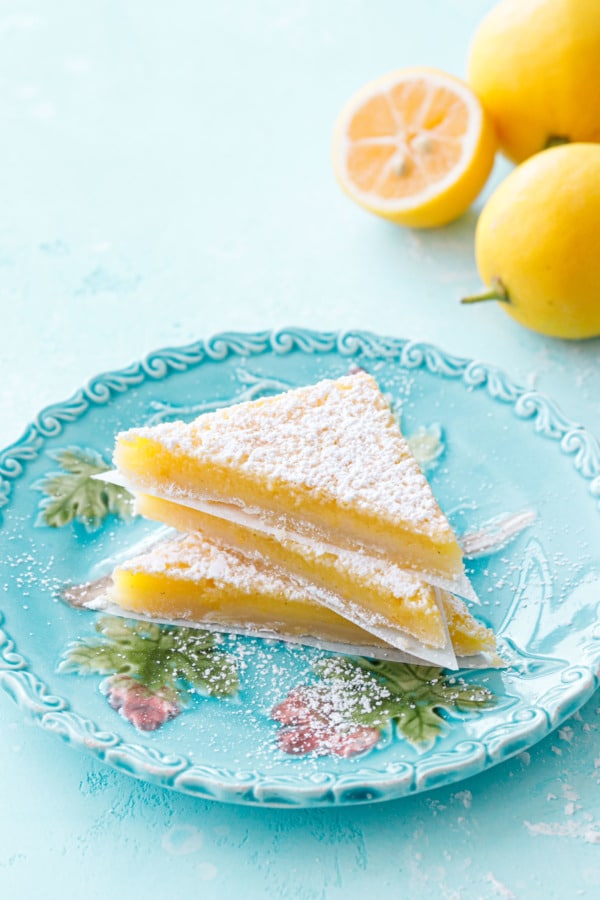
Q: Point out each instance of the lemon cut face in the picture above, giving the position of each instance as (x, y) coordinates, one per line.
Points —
(415, 146)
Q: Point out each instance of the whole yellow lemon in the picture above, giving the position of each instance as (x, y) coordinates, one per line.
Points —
(537, 242)
(535, 65)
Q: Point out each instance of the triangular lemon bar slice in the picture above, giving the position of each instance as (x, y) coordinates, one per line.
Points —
(323, 464)
(379, 597)
(195, 580)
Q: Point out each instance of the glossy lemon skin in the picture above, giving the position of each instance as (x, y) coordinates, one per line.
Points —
(539, 234)
(535, 65)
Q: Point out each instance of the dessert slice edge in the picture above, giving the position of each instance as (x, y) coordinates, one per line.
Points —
(325, 463)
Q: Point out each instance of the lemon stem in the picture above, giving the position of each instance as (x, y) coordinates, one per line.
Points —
(496, 291)
(556, 140)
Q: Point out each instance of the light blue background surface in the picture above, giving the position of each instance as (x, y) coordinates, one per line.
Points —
(165, 173)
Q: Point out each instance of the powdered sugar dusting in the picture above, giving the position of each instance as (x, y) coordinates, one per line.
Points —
(335, 440)
(198, 560)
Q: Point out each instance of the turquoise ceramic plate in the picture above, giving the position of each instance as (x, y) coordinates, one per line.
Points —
(237, 719)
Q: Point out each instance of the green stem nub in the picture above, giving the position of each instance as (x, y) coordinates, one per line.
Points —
(496, 291)
(556, 140)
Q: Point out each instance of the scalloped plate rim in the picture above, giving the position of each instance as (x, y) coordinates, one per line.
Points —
(53, 713)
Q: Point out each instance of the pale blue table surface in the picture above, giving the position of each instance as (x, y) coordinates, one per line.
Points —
(165, 174)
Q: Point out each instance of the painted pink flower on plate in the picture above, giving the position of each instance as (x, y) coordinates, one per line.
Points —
(146, 710)
(357, 702)
(312, 726)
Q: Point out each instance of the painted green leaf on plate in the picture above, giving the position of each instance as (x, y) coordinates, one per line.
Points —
(74, 494)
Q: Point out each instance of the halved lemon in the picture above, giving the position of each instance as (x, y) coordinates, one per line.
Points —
(414, 146)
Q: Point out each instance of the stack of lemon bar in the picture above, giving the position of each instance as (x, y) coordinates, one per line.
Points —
(304, 517)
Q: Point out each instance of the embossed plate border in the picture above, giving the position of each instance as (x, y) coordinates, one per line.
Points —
(365, 784)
